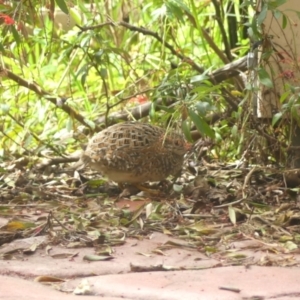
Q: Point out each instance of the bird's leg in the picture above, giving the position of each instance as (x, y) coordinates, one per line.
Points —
(139, 187)
(147, 190)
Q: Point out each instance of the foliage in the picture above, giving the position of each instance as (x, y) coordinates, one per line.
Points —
(119, 55)
(65, 75)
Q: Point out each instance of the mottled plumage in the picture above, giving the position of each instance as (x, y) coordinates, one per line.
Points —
(134, 152)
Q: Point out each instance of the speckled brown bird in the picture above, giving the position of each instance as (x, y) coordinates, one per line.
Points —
(135, 152)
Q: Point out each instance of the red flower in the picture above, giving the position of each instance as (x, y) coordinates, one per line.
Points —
(7, 19)
(139, 99)
(287, 74)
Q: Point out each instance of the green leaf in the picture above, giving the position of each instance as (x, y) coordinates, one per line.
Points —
(201, 125)
(284, 96)
(77, 17)
(199, 78)
(204, 107)
(69, 125)
(186, 130)
(262, 15)
(63, 6)
(15, 35)
(276, 118)
(234, 131)
(277, 14)
(175, 10)
(104, 73)
(274, 4)
(264, 78)
(253, 31)
(284, 21)
(183, 6)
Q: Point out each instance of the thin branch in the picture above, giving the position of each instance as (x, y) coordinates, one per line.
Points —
(138, 112)
(213, 45)
(221, 55)
(34, 136)
(171, 48)
(230, 70)
(57, 101)
(145, 31)
(222, 29)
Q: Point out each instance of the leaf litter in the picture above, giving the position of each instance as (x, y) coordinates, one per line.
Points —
(215, 213)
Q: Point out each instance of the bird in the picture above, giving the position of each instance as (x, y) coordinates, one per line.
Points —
(135, 152)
